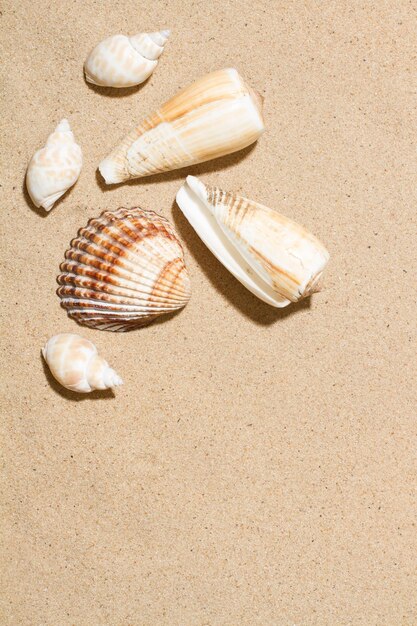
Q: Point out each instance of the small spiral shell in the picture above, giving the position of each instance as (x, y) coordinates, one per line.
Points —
(54, 168)
(122, 61)
(76, 365)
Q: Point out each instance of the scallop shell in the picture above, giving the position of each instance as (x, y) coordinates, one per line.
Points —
(123, 270)
(54, 168)
(121, 61)
(76, 365)
(275, 258)
(216, 115)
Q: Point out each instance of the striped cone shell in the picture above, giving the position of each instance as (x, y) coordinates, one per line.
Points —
(124, 269)
(274, 257)
(217, 115)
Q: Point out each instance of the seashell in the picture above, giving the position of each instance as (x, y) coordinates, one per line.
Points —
(216, 115)
(76, 365)
(121, 61)
(123, 270)
(272, 256)
(54, 168)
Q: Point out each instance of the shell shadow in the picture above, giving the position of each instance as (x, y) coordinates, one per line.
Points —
(39, 210)
(226, 284)
(73, 396)
(222, 163)
(116, 92)
(165, 318)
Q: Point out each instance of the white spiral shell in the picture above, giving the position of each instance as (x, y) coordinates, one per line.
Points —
(76, 365)
(54, 168)
(121, 61)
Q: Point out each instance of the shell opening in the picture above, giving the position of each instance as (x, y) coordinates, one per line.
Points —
(192, 200)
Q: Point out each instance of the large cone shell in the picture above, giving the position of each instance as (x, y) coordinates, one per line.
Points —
(275, 258)
(123, 270)
(215, 116)
(281, 251)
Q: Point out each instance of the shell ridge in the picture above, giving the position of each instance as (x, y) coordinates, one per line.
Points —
(118, 269)
(112, 276)
(140, 297)
(123, 270)
(134, 252)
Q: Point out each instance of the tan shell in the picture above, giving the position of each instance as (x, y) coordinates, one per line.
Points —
(123, 270)
(76, 365)
(121, 61)
(214, 116)
(54, 168)
(275, 258)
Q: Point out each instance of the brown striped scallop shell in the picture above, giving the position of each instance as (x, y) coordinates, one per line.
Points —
(123, 270)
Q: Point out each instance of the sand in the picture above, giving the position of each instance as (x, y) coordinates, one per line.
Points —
(258, 467)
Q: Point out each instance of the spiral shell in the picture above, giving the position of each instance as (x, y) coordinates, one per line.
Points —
(275, 258)
(123, 270)
(76, 365)
(121, 61)
(216, 115)
(54, 168)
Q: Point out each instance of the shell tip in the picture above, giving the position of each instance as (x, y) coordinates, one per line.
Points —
(317, 288)
(314, 286)
(117, 381)
(63, 126)
(108, 170)
(160, 38)
(197, 187)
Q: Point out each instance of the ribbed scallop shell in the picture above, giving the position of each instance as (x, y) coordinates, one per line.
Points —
(123, 270)
(121, 61)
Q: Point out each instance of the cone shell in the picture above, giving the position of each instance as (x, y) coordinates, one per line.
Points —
(216, 115)
(54, 168)
(121, 61)
(123, 270)
(275, 258)
(76, 365)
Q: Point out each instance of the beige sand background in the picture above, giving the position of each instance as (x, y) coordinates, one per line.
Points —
(258, 466)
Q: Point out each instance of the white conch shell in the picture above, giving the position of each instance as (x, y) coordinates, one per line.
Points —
(214, 116)
(76, 365)
(121, 61)
(54, 168)
(275, 258)
(123, 270)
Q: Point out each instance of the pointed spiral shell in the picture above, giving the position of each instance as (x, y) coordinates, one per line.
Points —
(123, 270)
(122, 61)
(75, 363)
(54, 168)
